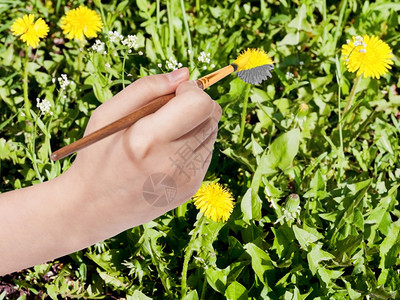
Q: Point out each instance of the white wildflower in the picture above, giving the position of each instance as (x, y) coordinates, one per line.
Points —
(173, 64)
(159, 65)
(289, 75)
(204, 57)
(130, 41)
(107, 64)
(140, 53)
(114, 36)
(98, 46)
(63, 81)
(44, 106)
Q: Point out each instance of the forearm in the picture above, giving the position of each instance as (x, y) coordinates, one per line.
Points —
(46, 221)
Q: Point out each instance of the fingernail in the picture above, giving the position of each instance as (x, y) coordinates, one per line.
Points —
(177, 75)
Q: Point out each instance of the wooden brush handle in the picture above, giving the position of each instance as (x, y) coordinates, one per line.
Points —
(130, 119)
(112, 128)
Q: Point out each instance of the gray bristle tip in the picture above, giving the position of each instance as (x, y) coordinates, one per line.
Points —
(256, 75)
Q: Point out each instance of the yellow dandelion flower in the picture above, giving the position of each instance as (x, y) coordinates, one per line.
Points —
(252, 58)
(80, 22)
(367, 55)
(214, 201)
(29, 31)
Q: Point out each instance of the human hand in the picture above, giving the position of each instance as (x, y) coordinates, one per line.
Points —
(155, 165)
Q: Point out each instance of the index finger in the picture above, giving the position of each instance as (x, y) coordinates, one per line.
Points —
(190, 107)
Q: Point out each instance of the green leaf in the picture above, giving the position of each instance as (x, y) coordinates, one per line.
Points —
(261, 263)
(316, 256)
(112, 280)
(192, 295)
(388, 251)
(283, 150)
(300, 21)
(304, 237)
(137, 295)
(251, 205)
(217, 278)
(236, 291)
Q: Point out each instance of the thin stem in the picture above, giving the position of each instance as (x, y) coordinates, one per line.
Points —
(188, 255)
(27, 103)
(185, 21)
(171, 28)
(123, 71)
(33, 152)
(204, 288)
(198, 6)
(244, 111)
(352, 94)
(341, 153)
(158, 14)
(100, 5)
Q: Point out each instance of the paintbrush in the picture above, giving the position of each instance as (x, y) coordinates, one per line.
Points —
(252, 66)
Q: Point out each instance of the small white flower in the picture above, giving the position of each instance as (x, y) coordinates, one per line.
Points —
(301, 63)
(212, 66)
(204, 67)
(22, 114)
(129, 41)
(289, 75)
(363, 50)
(107, 64)
(189, 51)
(172, 64)
(140, 53)
(63, 81)
(98, 46)
(44, 106)
(53, 80)
(159, 65)
(204, 57)
(113, 36)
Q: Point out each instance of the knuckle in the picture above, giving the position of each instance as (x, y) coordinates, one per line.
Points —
(142, 143)
(217, 110)
(159, 81)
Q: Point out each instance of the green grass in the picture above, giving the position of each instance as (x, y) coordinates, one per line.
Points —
(344, 166)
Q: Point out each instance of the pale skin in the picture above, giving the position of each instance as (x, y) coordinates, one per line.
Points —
(101, 194)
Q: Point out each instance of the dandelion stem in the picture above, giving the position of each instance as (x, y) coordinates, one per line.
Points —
(244, 111)
(27, 103)
(188, 255)
(204, 288)
(352, 94)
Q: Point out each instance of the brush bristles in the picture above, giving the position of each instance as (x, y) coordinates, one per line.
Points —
(256, 75)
